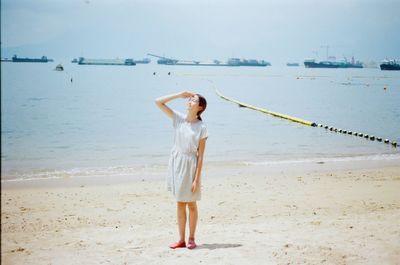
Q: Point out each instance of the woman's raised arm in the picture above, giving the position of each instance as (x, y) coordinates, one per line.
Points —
(161, 101)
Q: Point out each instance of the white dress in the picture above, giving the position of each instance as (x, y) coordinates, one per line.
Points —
(183, 160)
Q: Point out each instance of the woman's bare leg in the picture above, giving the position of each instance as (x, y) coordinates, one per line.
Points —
(181, 212)
(193, 215)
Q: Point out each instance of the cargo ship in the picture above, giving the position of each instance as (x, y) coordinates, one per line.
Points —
(164, 60)
(352, 64)
(311, 63)
(391, 65)
(43, 59)
(247, 62)
(229, 62)
(84, 61)
(198, 63)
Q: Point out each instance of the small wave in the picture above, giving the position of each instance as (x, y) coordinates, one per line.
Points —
(325, 159)
(113, 171)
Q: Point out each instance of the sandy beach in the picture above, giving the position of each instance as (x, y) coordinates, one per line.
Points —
(324, 213)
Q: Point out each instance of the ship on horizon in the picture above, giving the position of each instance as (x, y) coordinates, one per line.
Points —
(332, 63)
(43, 59)
(311, 63)
(392, 65)
(85, 61)
(247, 62)
(229, 62)
(352, 64)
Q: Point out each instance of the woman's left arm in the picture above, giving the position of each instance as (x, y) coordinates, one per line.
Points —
(200, 155)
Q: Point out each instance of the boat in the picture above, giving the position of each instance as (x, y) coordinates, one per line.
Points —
(229, 62)
(205, 63)
(292, 64)
(247, 62)
(391, 65)
(84, 61)
(59, 67)
(167, 61)
(352, 64)
(311, 63)
(164, 60)
(74, 60)
(43, 59)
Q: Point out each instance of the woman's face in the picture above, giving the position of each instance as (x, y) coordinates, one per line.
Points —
(193, 103)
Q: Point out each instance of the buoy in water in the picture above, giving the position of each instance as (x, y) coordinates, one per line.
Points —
(154, 73)
(386, 141)
(59, 67)
(360, 134)
(169, 73)
(366, 136)
(394, 143)
(379, 139)
(350, 132)
(372, 138)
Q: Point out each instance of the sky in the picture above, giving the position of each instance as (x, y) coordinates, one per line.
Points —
(277, 31)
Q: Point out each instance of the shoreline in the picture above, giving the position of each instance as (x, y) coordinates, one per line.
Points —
(333, 213)
(156, 172)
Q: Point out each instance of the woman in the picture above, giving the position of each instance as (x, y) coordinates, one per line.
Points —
(186, 160)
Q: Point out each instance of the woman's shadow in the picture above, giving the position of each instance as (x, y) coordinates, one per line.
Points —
(217, 245)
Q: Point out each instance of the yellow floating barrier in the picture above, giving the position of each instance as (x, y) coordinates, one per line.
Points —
(305, 122)
(276, 114)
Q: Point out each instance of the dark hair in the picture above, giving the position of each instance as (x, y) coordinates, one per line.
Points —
(203, 104)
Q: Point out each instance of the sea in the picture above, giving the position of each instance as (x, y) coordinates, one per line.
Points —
(102, 120)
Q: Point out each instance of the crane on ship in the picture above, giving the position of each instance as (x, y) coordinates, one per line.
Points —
(164, 60)
(327, 50)
(171, 61)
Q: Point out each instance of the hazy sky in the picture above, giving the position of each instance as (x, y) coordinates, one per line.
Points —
(277, 31)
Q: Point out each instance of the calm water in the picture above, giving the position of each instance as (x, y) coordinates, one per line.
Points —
(105, 120)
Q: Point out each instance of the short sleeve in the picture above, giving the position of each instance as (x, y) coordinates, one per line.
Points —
(203, 133)
(177, 118)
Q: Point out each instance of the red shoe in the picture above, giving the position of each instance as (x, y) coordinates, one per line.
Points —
(191, 244)
(179, 244)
